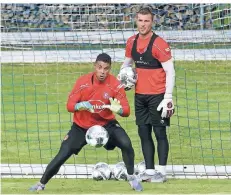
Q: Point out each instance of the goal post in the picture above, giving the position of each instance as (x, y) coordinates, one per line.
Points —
(46, 47)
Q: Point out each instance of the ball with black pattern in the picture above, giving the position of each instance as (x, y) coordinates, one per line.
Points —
(97, 136)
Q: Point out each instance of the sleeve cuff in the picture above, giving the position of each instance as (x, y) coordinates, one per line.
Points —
(120, 112)
(167, 96)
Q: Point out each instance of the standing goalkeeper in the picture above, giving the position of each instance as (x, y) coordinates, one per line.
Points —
(93, 100)
(153, 91)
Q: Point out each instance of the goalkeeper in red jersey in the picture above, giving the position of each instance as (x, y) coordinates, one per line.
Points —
(153, 91)
(87, 101)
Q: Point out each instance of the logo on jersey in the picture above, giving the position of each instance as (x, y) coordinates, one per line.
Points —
(97, 105)
(106, 96)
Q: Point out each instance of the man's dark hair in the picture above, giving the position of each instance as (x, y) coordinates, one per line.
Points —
(104, 58)
(145, 10)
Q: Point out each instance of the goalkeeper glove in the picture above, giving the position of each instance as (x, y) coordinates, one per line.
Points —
(127, 77)
(115, 106)
(167, 107)
(85, 105)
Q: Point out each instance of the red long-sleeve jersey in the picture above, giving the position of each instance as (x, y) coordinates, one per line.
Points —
(89, 88)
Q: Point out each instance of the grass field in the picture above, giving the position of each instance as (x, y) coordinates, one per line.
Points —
(83, 186)
(35, 120)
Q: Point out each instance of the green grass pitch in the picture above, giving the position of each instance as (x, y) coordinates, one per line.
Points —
(89, 186)
(34, 121)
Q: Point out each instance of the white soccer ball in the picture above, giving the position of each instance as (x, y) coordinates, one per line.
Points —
(140, 168)
(128, 77)
(97, 136)
(101, 171)
(120, 171)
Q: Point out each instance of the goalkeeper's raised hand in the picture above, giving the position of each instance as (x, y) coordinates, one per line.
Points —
(85, 105)
(115, 106)
(128, 77)
(167, 106)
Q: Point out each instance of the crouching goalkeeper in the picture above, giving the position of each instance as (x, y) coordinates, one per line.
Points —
(93, 100)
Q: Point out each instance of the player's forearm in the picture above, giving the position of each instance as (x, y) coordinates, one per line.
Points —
(73, 98)
(168, 67)
(127, 62)
(70, 106)
(72, 101)
(126, 111)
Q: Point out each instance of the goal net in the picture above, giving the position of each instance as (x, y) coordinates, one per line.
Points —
(46, 47)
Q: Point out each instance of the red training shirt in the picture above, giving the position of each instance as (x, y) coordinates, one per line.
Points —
(89, 88)
(150, 81)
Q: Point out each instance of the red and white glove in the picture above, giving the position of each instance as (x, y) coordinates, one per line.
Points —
(167, 106)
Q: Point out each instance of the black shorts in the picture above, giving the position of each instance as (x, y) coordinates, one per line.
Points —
(146, 110)
(75, 139)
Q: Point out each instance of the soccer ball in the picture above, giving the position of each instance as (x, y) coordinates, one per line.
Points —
(140, 168)
(101, 171)
(128, 77)
(97, 136)
(120, 171)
